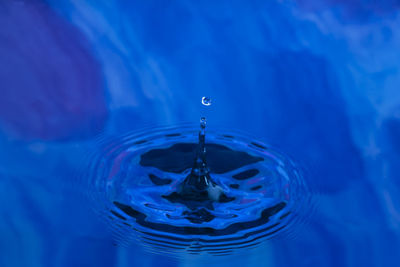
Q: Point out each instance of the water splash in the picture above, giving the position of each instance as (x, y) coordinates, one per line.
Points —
(159, 188)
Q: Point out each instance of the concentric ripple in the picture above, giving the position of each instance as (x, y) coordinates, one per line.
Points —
(131, 179)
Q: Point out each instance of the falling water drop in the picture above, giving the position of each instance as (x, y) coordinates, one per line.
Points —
(206, 101)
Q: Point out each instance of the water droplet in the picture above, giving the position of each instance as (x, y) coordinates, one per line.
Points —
(206, 101)
(203, 122)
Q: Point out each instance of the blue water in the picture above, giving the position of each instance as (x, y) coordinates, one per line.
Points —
(238, 194)
(316, 79)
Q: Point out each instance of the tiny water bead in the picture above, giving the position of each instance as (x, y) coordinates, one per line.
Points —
(206, 101)
(174, 192)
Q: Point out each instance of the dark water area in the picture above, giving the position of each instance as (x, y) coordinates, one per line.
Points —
(82, 184)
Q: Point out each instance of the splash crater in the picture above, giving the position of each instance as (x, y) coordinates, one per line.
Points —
(153, 187)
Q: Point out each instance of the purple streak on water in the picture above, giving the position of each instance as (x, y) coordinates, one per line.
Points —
(51, 85)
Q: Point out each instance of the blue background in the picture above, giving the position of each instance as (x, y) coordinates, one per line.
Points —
(317, 79)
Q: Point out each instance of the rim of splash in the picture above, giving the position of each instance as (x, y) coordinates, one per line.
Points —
(134, 219)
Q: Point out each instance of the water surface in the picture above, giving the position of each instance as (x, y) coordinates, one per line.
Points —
(318, 81)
